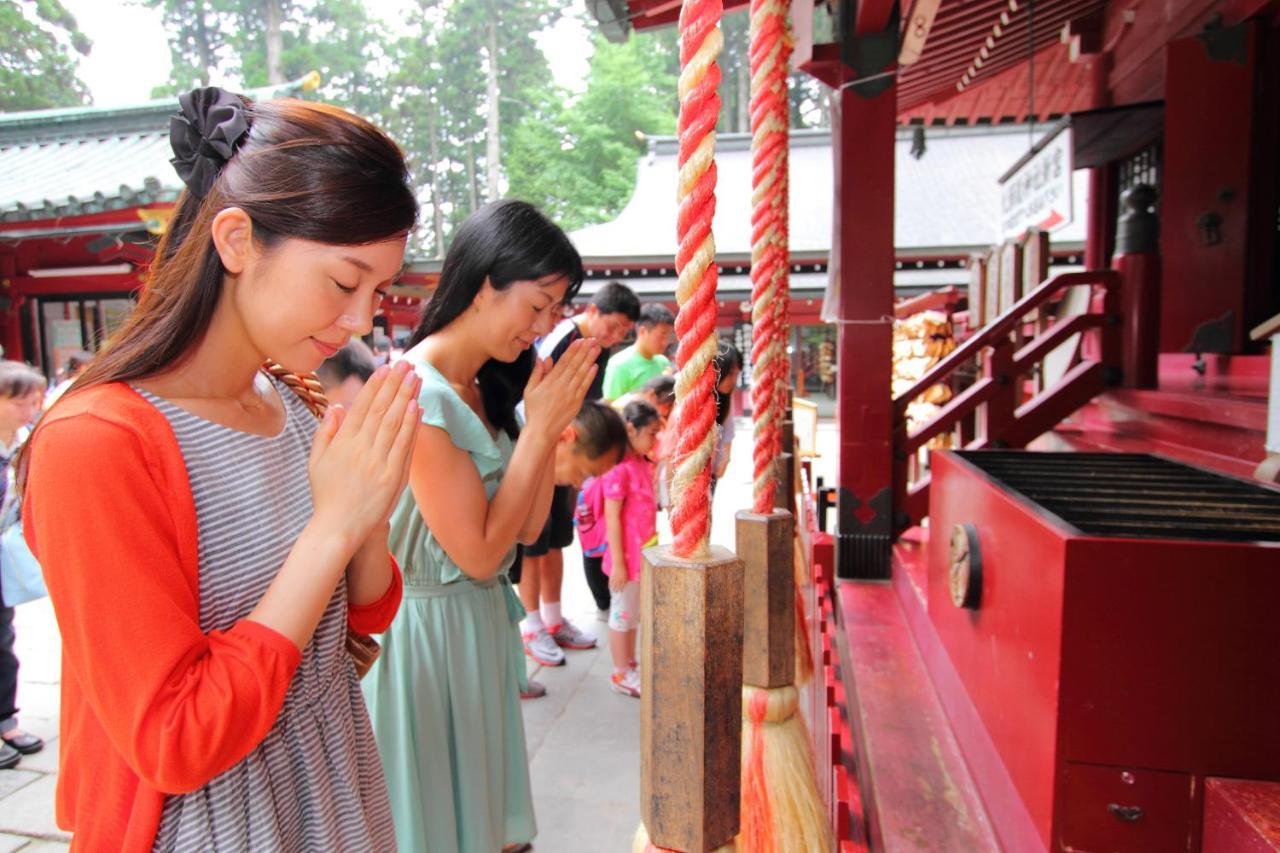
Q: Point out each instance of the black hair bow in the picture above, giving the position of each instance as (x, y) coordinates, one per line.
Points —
(205, 134)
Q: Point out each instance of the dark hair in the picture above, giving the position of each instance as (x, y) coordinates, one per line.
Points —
(308, 171)
(19, 380)
(616, 298)
(656, 314)
(505, 242)
(640, 413)
(354, 359)
(662, 386)
(727, 357)
(600, 430)
(304, 170)
(78, 361)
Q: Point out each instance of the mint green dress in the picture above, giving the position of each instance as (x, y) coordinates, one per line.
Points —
(444, 697)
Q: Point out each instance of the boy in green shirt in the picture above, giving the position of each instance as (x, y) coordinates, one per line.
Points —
(629, 369)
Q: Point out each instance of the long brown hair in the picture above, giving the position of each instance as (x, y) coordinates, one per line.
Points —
(308, 171)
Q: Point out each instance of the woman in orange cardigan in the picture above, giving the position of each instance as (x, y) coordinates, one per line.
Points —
(221, 540)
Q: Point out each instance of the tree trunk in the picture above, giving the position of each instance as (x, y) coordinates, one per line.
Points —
(274, 40)
(433, 169)
(203, 47)
(471, 176)
(492, 154)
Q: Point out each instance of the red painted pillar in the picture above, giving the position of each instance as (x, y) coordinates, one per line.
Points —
(1137, 260)
(1102, 212)
(863, 132)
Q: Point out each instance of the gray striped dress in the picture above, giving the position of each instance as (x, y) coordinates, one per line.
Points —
(315, 781)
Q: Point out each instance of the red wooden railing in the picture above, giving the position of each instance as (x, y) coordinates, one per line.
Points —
(1004, 415)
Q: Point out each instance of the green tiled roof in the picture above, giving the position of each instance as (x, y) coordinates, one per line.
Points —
(81, 160)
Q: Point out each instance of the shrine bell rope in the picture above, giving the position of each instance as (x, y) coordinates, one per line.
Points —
(700, 45)
(768, 242)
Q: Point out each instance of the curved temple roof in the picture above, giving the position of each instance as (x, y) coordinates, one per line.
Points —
(947, 202)
(80, 160)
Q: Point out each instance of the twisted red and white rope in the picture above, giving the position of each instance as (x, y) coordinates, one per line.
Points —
(769, 114)
(695, 412)
(782, 200)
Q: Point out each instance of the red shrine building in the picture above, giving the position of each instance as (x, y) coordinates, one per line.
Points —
(1043, 609)
(86, 192)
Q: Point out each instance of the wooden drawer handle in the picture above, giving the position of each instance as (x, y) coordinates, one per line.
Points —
(1128, 814)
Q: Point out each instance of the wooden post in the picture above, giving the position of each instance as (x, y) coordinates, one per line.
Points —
(991, 290)
(977, 283)
(784, 474)
(996, 415)
(769, 598)
(691, 699)
(863, 127)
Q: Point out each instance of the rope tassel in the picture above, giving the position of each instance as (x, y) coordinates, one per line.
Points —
(782, 811)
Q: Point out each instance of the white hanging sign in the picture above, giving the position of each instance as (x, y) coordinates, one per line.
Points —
(1036, 193)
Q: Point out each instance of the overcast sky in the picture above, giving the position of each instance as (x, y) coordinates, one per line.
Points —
(131, 55)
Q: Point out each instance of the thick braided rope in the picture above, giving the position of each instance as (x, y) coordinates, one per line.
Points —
(700, 44)
(306, 386)
(768, 147)
(782, 305)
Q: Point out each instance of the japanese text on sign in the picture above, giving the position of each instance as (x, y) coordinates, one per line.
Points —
(1038, 194)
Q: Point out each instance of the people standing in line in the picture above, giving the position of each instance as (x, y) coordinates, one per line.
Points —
(21, 393)
(630, 368)
(345, 372)
(205, 592)
(608, 319)
(76, 363)
(659, 392)
(631, 519)
(728, 364)
(444, 697)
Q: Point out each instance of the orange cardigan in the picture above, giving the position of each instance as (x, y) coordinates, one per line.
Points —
(151, 705)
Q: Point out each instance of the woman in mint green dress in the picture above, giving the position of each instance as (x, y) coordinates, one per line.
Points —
(444, 697)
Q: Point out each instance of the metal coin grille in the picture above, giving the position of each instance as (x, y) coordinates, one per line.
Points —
(1136, 495)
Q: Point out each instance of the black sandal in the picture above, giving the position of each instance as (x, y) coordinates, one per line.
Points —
(24, 743)
(9, 757)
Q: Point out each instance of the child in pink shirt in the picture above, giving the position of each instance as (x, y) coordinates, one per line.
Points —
(631, 517)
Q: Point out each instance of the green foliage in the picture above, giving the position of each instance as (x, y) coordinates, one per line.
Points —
(574, 155)
(40, 44)
(579, 162)
(226, 40)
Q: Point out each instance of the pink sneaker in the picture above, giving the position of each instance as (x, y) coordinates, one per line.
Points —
(627, 683)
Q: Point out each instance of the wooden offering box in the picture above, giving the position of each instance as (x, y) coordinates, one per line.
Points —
(1111, 634)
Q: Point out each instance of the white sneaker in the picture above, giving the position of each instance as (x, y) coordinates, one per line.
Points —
(628, 683)
(543, 648)
(569, 636)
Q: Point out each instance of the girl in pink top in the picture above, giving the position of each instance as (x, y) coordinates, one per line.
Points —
(631, 518)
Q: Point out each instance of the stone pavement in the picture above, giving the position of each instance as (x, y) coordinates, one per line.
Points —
(26, 792)
(583, 739)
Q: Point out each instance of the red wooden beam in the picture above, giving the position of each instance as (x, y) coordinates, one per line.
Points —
(872, 16)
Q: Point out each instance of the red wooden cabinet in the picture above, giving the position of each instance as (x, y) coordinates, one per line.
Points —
(1107, 809)
(1129, 627)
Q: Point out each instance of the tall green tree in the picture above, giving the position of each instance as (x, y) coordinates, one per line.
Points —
(254, 43)
(579, 163)
(467, 74)
(40, 46)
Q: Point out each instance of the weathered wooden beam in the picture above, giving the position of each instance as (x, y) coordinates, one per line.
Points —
(691, 699)
(784, 474)
(769, 603)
